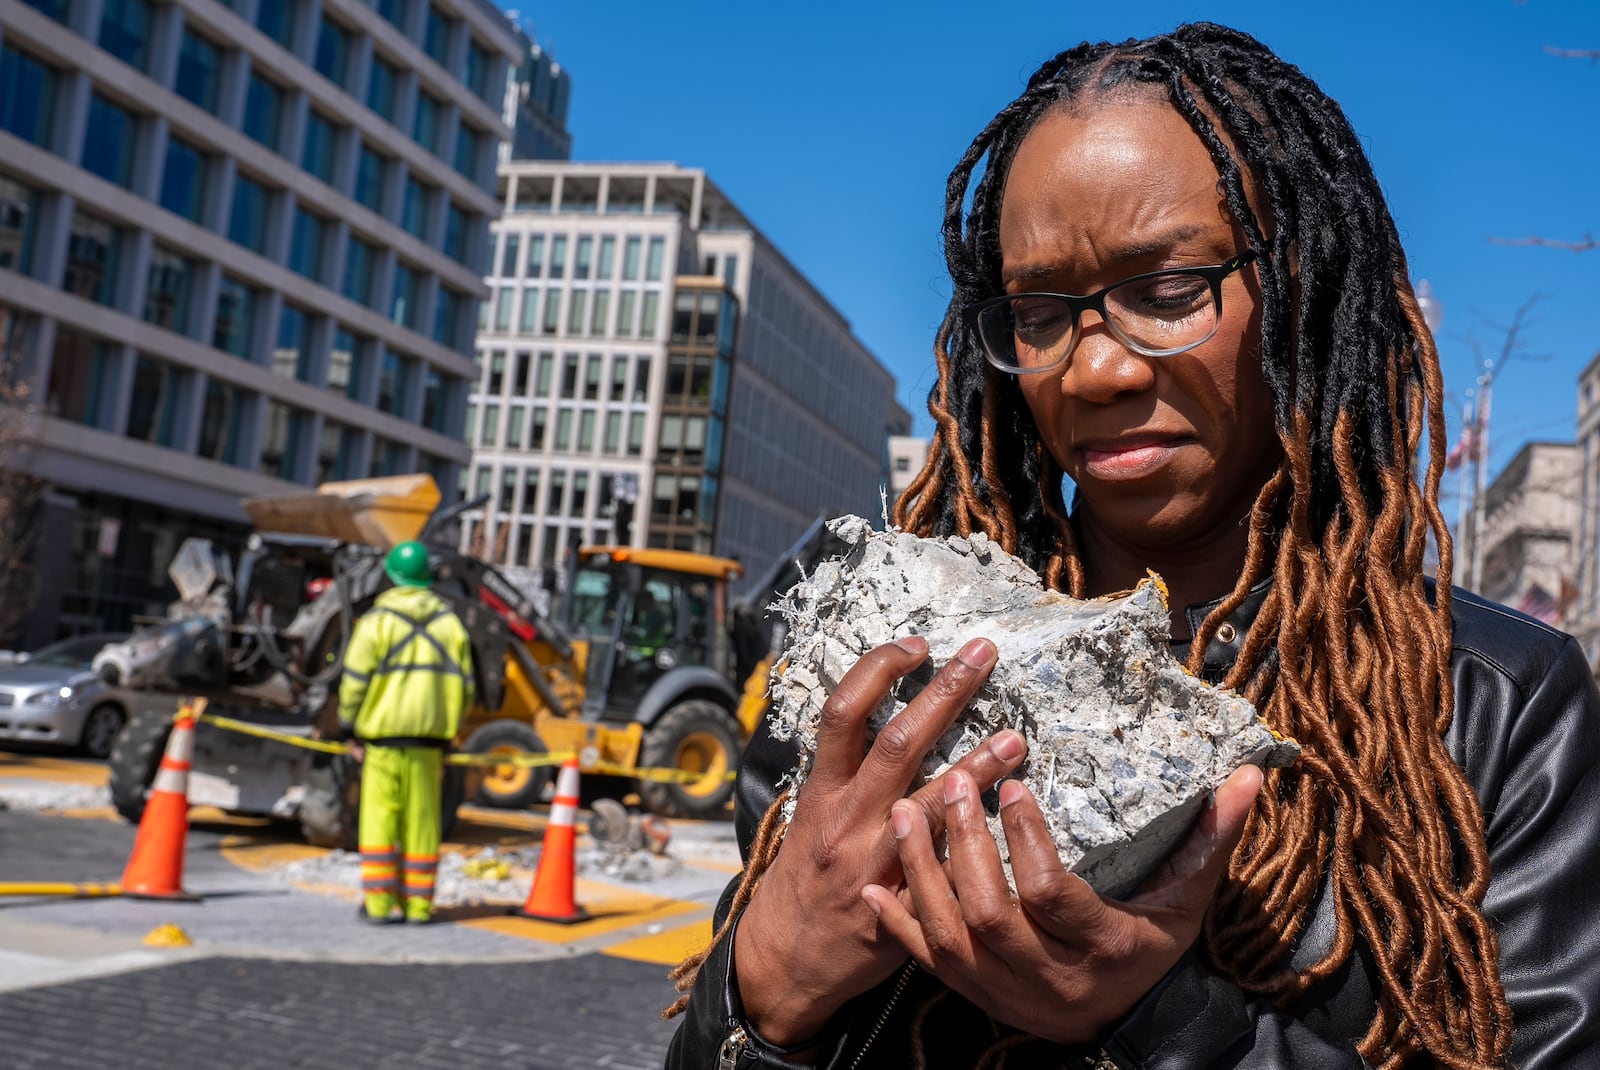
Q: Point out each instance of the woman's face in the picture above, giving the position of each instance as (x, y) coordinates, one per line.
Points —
(1166, 451)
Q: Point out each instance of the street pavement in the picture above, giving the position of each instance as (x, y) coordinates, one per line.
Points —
(278, 972)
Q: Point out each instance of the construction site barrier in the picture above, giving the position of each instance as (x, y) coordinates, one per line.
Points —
(602, 768)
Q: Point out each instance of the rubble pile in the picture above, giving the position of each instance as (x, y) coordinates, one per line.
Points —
(1124, 745)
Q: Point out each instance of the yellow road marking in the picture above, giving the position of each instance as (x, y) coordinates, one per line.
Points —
(612, 909)
(60, 770)
(666, 948)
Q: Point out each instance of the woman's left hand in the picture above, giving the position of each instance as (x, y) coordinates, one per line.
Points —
(1055, 959)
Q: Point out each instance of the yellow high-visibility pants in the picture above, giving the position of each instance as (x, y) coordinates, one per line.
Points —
(399, 828)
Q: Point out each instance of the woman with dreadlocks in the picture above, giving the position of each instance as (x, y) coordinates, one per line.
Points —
(1239, 400)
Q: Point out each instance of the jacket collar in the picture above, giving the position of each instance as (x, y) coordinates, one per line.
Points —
(1226, 643)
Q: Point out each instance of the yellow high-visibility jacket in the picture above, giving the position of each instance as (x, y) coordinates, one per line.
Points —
(407, 670)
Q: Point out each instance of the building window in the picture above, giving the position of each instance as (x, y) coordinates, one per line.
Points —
(275, 18)
(291, 357)
(333, 52)
(56, 9)
(281, 443)
(552, 310)
(433, 400)
(635, 434)
(407, 296)
(576, 306)
(503, 296)
(247, 223)
(592, 374)
(27, 96)
(558, 256)
(183, 180)
(608, 248)
(393, 380)
(235, 318)
(166, 292)
(649, 312)
(263, 104)
(153, 404)
(536, 433)
(652, 269)
(630, 260)
(497, 373)
(468, 141)
(613, 439)
(446, 316)
(199, 71)
(585, 438)
(625, 311)
(477, 74)
(585, 250)
(530, 310)
(436, 37)
(371, 169)
(108, 141)
(530, 491)
(563, 430)
(569, 376)
(358, 261)
(92, 254)
(19, 205)
(317, 155)
(489, 434)
(641, 379)
(547, 362)
(77, 371)
(343, 379)
(125, 31)
(305, 250)
(220, 423)
(381, 87)
(414, 212)
(455, 233)
(333, 452)
(425, 123)
(394, 11)
(602, 308)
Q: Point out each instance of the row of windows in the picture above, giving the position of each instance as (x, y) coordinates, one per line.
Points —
(533, 543)
(95, 251)
(178, 408)
(528, 427)
(528, 376)
(524, 256)
(127, 26)
(588, 312)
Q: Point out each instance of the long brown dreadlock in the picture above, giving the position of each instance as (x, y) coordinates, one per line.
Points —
(1348, 654)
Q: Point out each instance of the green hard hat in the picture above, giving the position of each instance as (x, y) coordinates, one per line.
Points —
(407, 565)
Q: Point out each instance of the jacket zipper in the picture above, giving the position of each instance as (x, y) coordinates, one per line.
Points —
(888, 1009)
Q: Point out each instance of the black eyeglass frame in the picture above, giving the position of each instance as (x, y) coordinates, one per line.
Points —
(1213, 274)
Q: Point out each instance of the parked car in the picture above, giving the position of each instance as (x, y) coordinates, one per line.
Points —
(52, 696)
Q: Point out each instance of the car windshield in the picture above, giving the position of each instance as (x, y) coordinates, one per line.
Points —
(74, 653)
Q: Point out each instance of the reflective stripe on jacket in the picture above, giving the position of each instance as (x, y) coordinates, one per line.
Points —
(408, 668)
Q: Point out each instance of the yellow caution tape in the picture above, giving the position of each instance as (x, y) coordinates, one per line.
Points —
(527, 760)
(74, 890)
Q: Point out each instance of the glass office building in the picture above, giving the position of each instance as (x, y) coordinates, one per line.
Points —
(241, 250)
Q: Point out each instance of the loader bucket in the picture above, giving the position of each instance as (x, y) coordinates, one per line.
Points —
(377, 512)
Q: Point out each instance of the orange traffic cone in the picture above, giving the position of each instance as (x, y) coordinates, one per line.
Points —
(155, 868)
(551, 898)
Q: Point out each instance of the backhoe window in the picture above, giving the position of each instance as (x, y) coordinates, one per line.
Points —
(593, 606)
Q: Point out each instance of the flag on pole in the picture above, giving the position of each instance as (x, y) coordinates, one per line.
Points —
(1540, 604)
(1463, 448)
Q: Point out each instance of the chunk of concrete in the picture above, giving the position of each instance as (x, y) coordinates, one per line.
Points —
(1124, 745)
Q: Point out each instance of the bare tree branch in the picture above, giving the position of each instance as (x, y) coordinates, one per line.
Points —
(1589, 242)
(1590, 54)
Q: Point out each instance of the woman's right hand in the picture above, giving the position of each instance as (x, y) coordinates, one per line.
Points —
(807, 943)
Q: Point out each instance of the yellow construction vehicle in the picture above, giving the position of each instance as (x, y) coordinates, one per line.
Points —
(644, 669)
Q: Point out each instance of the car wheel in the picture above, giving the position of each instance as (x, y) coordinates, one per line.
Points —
(100, 730)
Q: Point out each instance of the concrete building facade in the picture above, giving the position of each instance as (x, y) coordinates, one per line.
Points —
(907, 455)
(1584, 614)
(644, 341)
(1530, 516)
(241, 248)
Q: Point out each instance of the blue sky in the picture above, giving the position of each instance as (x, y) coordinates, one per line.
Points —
(834, 126)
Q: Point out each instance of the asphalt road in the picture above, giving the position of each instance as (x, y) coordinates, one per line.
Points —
(339, 995)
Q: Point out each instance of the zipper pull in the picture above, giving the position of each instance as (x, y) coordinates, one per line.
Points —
(732, 1048)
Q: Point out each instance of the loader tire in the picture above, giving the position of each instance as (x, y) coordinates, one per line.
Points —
(692, 737)
(330, 810)
(135, 757)
(509, 787)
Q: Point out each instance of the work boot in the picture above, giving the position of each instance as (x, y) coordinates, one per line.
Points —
(379, 908)
(419, 911)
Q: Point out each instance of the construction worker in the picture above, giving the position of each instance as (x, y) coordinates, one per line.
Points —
(407, 681)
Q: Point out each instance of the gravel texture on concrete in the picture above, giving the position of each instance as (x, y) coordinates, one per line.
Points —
(1124, 744)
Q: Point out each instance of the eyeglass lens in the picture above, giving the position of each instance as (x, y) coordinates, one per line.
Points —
(1154, 316)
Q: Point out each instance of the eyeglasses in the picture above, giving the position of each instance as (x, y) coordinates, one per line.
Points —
(1158, 314)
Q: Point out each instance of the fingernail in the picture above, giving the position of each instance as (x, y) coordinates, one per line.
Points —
(872, 901)
(1010, 792)
(900, 821)
(1007, 746)
(913, 644)
(955, 787)
(978, 654)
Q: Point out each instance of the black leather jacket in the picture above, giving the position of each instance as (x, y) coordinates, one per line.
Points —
(1526, 730)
